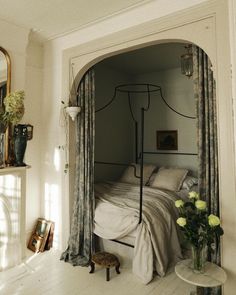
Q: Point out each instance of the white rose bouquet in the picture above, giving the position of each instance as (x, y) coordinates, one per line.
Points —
(14, 107)
(198, 227)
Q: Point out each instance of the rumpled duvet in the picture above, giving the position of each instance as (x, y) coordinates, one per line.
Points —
(157, 244)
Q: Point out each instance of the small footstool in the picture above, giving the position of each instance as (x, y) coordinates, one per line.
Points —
(106, 260)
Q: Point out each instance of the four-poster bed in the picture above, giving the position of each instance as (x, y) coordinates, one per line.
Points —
(139, 155)
(136, 197)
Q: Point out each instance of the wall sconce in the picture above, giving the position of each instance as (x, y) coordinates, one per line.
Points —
(73, 112)
(187, 62)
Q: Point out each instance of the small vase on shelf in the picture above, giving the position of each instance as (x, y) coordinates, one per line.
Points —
(73, 111)
(198, 258)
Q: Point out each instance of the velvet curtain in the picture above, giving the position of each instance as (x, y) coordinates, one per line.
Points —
(204, 93)
(80, 245)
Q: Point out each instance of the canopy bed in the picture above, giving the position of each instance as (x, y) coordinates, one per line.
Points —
(81, 243)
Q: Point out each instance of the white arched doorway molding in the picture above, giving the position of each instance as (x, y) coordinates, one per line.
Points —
(207, 27)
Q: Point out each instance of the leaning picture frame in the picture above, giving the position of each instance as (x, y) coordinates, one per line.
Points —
(35, 243)
(41, 232)
(42, 227)
(167, 139)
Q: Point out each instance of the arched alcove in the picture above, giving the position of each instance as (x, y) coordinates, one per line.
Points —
(77, 76)
(76, 73)
(202, 32)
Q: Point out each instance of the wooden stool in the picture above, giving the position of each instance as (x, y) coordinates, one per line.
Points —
(106, 260)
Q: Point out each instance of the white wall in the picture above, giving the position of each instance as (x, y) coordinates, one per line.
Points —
(232, 24)
(14, 39)
(26, 75)
(113, 126)
(33, 90)
(149, 11)
(53, 178)
(177, 90)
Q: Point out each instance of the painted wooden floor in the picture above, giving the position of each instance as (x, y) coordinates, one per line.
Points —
(45, 274)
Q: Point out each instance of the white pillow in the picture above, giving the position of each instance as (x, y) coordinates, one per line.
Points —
(129, 177)
(189, 182)
(169, 178)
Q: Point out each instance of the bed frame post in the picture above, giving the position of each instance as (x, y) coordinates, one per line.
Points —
(136, 142)
(141, 166)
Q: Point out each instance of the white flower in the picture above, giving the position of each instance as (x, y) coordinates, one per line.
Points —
(179, 203)
(14, 107)
(193, 195)
(181, 221)
(213, 220)
(201, 205)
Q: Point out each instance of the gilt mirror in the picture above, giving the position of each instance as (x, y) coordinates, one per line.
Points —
(5, 86)
(5, 73)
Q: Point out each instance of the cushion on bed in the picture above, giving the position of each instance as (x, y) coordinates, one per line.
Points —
(169, 178)
(184, 193)
(189, 182)
(128, 175)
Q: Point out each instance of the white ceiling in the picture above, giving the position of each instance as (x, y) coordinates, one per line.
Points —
(51, 18)
(149, 59)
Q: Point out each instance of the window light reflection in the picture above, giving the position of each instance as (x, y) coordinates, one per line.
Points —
(10, 247)
(56, 159)
(52, 208)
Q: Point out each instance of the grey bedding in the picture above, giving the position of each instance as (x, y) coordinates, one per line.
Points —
(157, 244)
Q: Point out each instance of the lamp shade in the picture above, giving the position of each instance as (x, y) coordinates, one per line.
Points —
(187, 62)
(73, 112)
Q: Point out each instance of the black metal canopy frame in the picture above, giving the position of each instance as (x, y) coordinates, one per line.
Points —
(147, 89)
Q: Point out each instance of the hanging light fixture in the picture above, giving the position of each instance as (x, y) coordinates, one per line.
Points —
(187, 62)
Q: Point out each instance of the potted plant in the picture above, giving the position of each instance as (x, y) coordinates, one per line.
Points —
(199, 229)
(72, 111)
(11, 114)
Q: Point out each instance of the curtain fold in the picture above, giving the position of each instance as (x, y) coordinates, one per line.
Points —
(205, 97)
(80, 244)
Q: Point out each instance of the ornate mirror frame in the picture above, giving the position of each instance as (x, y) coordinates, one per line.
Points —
(8, 89)
(8, 60)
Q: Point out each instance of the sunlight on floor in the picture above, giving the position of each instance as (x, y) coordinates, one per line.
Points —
(45, 274)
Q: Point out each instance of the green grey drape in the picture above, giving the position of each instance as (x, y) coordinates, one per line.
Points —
(204, 93)
(80, 245)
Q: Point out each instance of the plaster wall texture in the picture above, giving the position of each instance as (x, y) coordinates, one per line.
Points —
(25, 76)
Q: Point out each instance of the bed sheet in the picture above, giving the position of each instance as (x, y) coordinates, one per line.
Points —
(156, 244)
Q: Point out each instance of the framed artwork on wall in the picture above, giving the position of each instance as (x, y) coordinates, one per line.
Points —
(167, 139)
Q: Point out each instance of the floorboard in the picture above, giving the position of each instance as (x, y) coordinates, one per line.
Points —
(45, 274)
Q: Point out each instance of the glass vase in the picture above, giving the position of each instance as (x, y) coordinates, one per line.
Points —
(198, 259)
